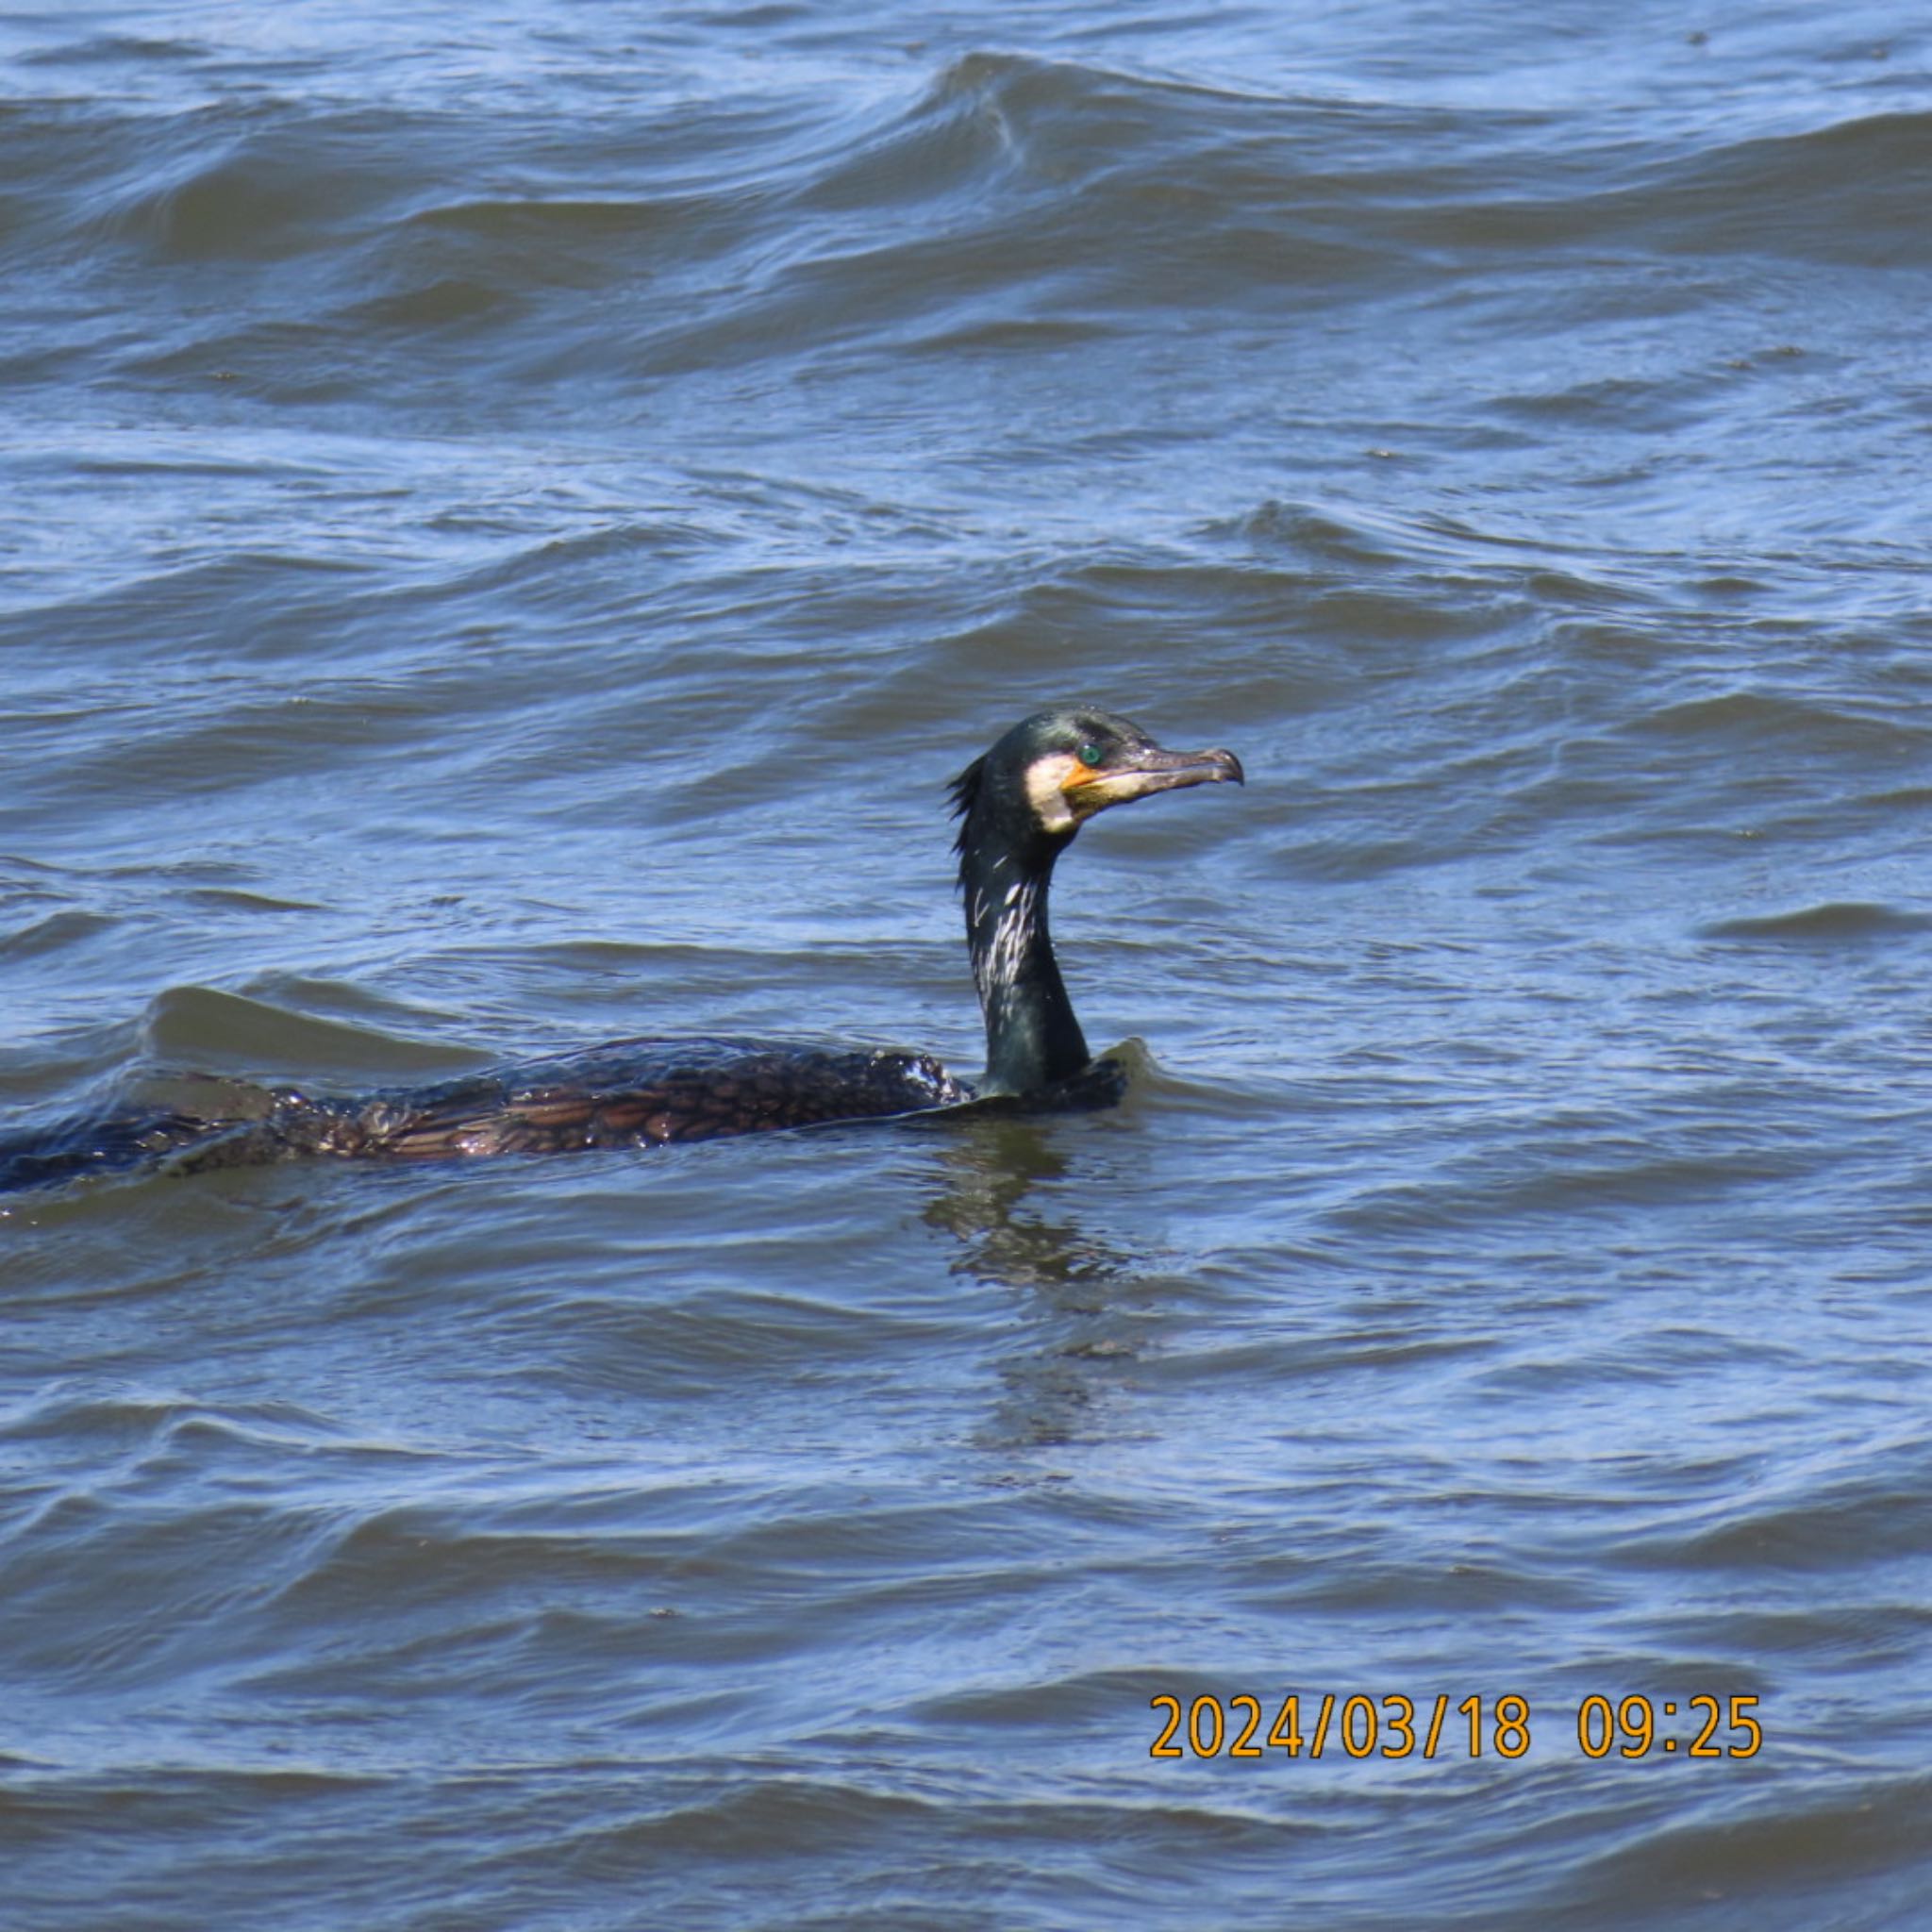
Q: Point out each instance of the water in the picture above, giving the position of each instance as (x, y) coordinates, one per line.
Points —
(510, 520)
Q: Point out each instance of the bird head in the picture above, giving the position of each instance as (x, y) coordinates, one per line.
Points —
(1055, 770)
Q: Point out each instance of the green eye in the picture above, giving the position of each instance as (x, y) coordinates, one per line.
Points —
(1090, 754)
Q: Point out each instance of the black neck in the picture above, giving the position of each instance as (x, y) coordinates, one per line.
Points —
(1032, 1038)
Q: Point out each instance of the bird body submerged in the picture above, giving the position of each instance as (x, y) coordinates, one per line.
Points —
(1020, 806)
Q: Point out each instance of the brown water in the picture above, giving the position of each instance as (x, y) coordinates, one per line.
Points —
(509, 519)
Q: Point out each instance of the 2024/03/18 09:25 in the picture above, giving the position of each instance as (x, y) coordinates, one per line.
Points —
(1367, 1726)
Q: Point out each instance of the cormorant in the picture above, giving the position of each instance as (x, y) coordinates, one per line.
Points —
(1019, 809)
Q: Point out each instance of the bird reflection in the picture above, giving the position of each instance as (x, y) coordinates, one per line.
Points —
(988, 1167)
(989, 1174)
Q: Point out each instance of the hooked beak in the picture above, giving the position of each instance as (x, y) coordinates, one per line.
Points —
(1145, 769)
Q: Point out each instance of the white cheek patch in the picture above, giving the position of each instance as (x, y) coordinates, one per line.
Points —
(1050, 805)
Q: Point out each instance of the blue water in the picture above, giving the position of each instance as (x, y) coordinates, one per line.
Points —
(507, 523)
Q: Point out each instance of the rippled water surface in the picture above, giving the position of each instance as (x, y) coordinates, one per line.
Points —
(509, 519)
